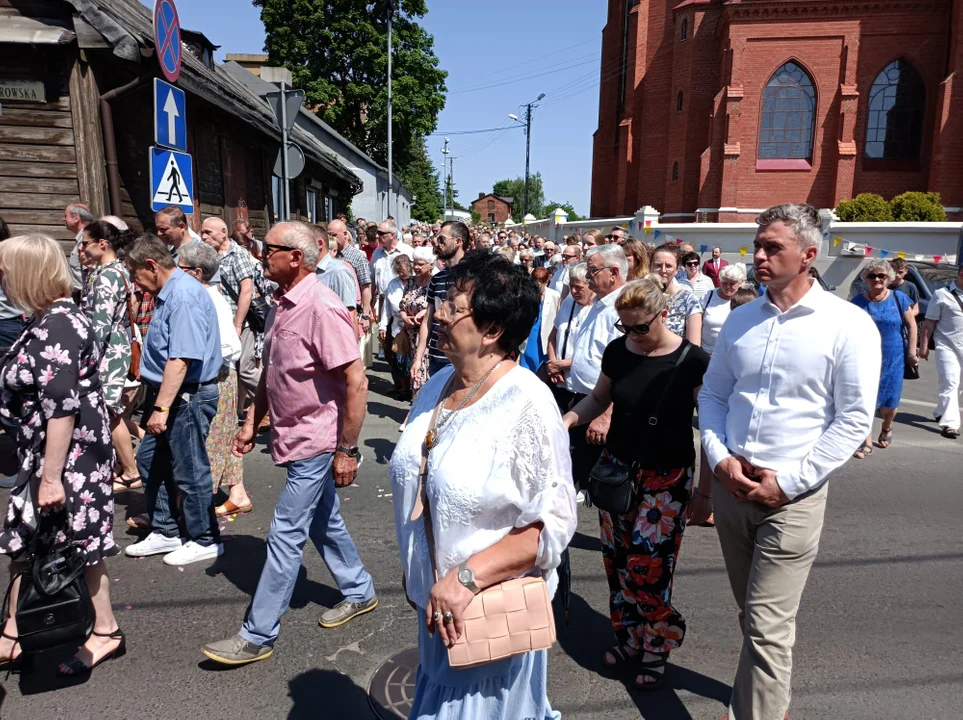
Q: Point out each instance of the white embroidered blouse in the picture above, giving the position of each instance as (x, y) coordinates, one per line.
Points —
(501, 463)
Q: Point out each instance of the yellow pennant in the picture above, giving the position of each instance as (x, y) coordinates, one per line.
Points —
(837, 240)
(743, 250)
(900, 255)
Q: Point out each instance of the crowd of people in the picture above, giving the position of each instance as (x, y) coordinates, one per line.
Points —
(540, 376)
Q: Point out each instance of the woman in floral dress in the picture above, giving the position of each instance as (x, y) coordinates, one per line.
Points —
(414, 307)
(105, 302)
(51, 389)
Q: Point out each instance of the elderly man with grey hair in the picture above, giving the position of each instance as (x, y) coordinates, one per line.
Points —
(77, 216)
(788, 396)
(315, 389)
(606, 273)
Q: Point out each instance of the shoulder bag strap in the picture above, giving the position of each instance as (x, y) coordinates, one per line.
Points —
(130, 309)
(705, 305)
(956, 296)
(653, 419)
(568, 329)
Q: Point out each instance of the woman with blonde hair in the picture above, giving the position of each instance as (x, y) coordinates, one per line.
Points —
(51, 387)
(592, 238)
(651, 377)
(637, 257)
(685, 311)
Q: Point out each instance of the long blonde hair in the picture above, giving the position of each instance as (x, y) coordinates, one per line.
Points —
(35, 272)
(637, 250)
(647, 293)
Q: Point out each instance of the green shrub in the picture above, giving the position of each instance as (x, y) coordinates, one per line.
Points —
(865, 207)
(919, 207)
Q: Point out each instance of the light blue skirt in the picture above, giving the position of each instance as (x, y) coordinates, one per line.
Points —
(509, 689)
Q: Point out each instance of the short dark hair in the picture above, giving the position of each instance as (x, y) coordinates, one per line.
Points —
(174, 214)
(503, 295)
(898, 264)
(371, 233)
(460, 231)
(690, 256)
(151, 247)
(117, 239)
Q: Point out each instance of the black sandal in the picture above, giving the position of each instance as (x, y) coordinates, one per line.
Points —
(950, 433)
(76, 666)
(12, 664)
(127, 483)
(622, 658)
(865, 450)
(651, 665)
(885, 436)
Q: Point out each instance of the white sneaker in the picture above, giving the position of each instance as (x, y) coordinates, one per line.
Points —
(580, 497)
(153, 544)
(191, 552)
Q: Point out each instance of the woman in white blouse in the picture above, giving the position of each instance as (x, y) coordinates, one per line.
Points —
(700, 283)
(716, 306)
(200, 261)
(390, 324)
(498, 484)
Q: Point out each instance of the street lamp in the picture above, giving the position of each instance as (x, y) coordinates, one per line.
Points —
(528, 140)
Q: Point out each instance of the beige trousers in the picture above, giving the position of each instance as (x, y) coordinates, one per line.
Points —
(768, 555)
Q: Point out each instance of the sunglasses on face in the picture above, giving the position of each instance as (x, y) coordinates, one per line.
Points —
(692, 264)
(271, 249)
(379, 233)
(593, 271)
(642, 329)
(878, 276)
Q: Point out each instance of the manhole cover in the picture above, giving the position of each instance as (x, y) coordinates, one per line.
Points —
(391, 691)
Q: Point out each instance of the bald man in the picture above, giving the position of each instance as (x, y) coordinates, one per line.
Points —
(237, 271)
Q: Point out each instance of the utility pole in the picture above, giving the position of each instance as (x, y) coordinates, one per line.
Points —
(451, 182)
(444, 173)
(391, 186)
(528, 143)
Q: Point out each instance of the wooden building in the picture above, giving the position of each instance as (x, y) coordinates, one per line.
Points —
(76, 124)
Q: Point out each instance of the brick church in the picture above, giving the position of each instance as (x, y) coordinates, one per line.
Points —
(712, 109)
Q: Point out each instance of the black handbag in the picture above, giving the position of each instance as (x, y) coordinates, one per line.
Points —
(54, 605)
(910, 372)
(258, 311)
(612, 484)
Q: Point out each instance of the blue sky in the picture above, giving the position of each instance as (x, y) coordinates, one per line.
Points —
(522, 48)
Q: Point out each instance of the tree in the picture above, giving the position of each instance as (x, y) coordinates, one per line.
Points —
(865, 207)
(422, 179)
(516, 189)
(566, 206)
(475, 217)
(918, 206)
(336, 50)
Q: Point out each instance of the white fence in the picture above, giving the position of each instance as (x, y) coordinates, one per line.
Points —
(846, 245)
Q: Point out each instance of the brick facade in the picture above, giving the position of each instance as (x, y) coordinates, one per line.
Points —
(492, 208)
(680, 111)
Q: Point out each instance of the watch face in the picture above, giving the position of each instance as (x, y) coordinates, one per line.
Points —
(466, 576)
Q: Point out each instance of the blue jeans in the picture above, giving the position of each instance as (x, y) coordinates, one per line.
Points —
(176, 461)
(308, 506)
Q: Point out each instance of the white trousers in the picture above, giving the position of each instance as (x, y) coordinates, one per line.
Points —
(949, 361)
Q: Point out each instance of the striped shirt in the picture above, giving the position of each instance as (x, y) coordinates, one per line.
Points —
(437, 294)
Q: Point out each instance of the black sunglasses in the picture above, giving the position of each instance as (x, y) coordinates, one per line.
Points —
(693, 264)
(878, 276)
(275, 248)
(384, 232)
(642, 329)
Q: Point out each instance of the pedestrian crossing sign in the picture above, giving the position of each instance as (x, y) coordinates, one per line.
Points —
(171, 180)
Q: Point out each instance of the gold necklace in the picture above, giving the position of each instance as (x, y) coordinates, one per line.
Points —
(431, 437)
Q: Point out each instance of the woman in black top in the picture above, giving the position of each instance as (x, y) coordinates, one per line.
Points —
(642, 377)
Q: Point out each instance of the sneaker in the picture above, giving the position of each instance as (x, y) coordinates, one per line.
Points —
(580, 497)
(344, 611)
(153, 544)
(191, 552)
(236, 651)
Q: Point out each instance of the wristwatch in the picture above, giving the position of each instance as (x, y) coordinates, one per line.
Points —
(349, 450)
(467, 578)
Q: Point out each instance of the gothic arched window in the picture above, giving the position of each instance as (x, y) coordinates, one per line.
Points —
(897, 102)
(788, 118)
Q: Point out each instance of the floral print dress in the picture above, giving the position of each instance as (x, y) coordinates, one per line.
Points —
(414, 301)
(682, 305)
(105, 303)
(52, 371)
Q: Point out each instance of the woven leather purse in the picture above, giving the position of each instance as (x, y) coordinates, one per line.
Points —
(510, 618)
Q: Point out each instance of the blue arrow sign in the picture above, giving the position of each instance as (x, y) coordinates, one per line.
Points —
(170, 116)
(171, 179)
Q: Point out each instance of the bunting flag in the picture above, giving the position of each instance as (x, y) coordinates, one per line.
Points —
(703, 248)
(630, 224)
(743, 250)
(917, 257)
(657, 233)
(937, 258)
(648, 222)
(901, 255)
(883, 253)
(645, 230)
(867, 251)
(836, 241)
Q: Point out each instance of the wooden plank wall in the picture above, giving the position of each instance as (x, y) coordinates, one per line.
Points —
(38, 154)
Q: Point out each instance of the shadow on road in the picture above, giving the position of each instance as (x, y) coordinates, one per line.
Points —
(586, 542)
(328, 689)
(920, 422)
(398, 414)
(586, 638)
(382, 447)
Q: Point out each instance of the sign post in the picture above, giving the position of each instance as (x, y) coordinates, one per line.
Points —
(286, 105)
(171, 180)
(170, 116)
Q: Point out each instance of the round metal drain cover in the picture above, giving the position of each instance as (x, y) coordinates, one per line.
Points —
(391, 691)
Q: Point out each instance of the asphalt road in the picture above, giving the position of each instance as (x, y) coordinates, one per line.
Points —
(879, 633)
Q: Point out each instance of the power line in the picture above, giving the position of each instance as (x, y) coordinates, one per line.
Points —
(522, 78)
(515, 67)
(476, 132)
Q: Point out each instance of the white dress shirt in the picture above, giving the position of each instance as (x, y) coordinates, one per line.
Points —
(560, 278)
(381, 271)
(568, 320)
(230, 342)
(792, 391)
(946, 313)
(593, 337)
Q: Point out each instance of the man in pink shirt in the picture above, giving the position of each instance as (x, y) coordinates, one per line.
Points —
(314, 387)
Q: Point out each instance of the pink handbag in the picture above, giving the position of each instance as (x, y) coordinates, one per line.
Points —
(510, 618)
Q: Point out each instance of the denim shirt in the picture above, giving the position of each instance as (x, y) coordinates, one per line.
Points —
(184, 326)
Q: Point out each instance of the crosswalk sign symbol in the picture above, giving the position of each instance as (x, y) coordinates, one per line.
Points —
(171, 179)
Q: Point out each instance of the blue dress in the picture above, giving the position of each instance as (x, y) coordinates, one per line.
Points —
(888, 316)
(511, 689)
(533, 357)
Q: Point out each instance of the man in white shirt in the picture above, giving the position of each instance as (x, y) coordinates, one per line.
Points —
(790, 393)
(571, 254)
(606, 273)
(944, 321)
(381, 271)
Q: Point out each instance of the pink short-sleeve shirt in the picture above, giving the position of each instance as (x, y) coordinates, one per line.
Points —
(309, 336)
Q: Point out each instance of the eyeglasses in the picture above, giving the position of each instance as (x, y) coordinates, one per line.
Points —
(187, 267)
(642, 329)
(694, 263)
(878, 276)
(379, 233)
(85, 242)
(448, 311)
(573, 256)
(271, 249)
(593, 271)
